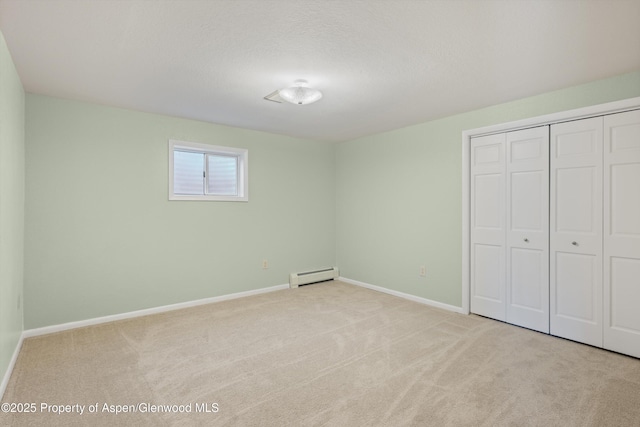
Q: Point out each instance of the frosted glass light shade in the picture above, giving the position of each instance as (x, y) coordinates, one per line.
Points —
(300, 93)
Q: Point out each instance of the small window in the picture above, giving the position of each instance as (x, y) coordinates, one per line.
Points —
(207, 172)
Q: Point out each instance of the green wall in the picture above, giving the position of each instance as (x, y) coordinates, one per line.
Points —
(12, 100)
(102, 237)
(399, 193)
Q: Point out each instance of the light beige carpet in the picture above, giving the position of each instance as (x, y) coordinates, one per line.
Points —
(330, 354)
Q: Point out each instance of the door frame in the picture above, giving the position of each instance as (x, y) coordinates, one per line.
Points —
(548, 119)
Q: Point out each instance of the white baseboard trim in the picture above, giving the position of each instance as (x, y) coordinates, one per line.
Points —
(12, 363)
(410, 297)
(138, 313)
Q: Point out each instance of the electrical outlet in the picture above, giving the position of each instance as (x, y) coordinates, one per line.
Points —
(265, 264)
(423, 271)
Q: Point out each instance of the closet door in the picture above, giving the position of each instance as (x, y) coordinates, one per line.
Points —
(576, 231)
(488, 226)
(527, 243)
(622, 232)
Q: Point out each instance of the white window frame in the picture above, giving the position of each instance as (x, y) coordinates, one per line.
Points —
(194, 147)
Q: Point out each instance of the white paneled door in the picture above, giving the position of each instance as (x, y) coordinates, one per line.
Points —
(527, 241)
(509, 227)
(554, 221)
(576, 231)
(488, 230)
(622, 232)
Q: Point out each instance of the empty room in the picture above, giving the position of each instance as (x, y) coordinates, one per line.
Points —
(320, 213)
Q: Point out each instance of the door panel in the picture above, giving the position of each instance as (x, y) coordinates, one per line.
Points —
(526, 199)
(625, 294)
(622, 232)
(577, 290)
(575, 199)
(526, 149)
(576, 231)
(526, 279)
(625, 200)
(488, 189)
(575, 141)
(488, 153)
(527, 180)
(624, 135)
(488, 226)
(487, 274)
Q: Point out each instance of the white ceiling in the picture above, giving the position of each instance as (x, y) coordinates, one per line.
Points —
(380, 64)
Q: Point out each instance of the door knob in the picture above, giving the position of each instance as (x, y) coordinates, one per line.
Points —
(574, 243)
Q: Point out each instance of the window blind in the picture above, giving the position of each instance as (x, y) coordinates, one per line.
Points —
(222, 175)
(188, 172)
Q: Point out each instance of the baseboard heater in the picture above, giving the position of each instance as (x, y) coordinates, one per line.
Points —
(309, 277)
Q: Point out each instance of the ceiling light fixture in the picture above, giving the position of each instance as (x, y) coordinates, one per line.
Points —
(300, 93)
